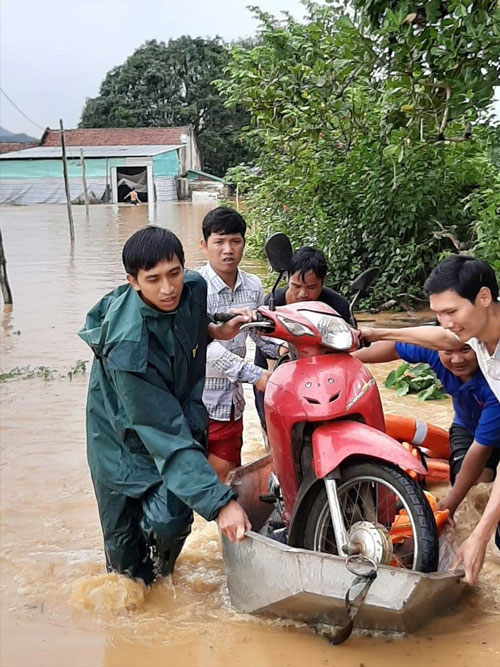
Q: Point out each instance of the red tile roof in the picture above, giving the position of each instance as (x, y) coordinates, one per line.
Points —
(8, 147)
(126, 136)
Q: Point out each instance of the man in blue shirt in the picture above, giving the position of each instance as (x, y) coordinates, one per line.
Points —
(475, 430)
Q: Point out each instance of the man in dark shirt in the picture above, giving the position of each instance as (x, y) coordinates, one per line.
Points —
(306, 282)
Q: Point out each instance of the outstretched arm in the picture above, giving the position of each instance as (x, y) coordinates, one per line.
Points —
(434, 338)
(223, 362)
(377, 353)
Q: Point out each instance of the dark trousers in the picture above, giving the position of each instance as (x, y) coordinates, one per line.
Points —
(259, 405)
(142, 536)
(460, 441)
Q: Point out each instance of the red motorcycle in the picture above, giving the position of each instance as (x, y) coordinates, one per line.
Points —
(340, 484)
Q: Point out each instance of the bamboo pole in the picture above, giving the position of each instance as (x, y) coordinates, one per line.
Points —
(84, 179)
(4, 281)
(66, 184)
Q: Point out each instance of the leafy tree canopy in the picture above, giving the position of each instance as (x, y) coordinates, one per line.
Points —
(371, 125)
(171, 84)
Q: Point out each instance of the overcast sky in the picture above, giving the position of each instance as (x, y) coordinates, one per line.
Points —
(55, 53)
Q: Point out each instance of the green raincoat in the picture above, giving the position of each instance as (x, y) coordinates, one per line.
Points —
(146, 425)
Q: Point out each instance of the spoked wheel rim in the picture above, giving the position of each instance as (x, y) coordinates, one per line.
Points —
(371, 506)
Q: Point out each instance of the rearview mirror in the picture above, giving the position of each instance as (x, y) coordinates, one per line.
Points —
(279, 252)
(364, 280)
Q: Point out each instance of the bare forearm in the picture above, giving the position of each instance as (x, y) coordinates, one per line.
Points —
(435, 338)
(491, 515)
(377, 353)
(472, 466)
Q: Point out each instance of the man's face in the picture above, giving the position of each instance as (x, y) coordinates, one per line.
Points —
(462, 362)
(224, 252)
(161, 286)
(459, 315)
(307, 288)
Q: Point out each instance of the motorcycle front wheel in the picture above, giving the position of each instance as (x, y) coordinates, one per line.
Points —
(386, 516)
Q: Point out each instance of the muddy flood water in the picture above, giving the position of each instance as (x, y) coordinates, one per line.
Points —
(58, 607)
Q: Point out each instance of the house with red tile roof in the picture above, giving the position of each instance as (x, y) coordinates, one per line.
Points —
(147, 159)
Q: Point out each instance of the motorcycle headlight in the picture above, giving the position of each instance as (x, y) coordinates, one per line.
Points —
(295, 328)
(335, 333)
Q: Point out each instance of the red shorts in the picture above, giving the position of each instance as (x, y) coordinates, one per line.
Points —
(225, 439)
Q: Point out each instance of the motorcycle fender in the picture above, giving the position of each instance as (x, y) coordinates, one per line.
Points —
(301, 508)
(335, 441)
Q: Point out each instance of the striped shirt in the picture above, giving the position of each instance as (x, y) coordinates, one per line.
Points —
(226, 365)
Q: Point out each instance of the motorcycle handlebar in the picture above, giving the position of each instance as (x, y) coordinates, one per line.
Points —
(223, 317)
(226, 317)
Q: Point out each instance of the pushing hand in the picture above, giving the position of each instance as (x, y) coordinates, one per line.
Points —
(233, 522)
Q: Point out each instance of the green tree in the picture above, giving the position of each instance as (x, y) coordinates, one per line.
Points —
(171, 84)
(373, 134)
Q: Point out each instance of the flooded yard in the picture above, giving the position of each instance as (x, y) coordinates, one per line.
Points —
(58, 607)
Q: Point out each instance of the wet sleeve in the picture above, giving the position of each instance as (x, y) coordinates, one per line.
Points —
(488, 428)
(194, 407)
(223, 362)
(157, 418)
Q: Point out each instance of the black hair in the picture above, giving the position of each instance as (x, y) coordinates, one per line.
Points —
(308, 259)
(464, 275)
(223, 220)
(148, 246)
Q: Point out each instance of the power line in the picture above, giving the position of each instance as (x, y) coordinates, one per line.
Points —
(21, 111)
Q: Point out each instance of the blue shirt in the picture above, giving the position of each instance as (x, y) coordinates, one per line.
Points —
(476, 406)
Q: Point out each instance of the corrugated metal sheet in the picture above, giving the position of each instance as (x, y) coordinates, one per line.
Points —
(136, 162)
(54, 152)
(46, 190)
(165, 189)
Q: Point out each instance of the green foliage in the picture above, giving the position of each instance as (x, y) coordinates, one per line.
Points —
(372, 135)
(419, 379)
(241, 176)
(43, 372)
(171, 84)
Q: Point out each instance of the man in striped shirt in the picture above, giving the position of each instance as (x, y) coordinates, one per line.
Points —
(228, 288)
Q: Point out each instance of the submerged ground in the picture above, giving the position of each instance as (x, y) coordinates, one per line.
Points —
(58, 607)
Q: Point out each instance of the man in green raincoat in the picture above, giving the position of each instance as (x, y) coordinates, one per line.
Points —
(146, 421)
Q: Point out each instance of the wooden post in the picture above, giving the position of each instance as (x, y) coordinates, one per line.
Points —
(237, 197)
(84, 179)
(4, 281)
(66, 184)
(107, 198)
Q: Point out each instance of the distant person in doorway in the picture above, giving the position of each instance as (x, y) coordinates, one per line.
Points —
(133, 196)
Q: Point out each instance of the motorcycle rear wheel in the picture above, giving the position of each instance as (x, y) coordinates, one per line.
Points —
(371, 495)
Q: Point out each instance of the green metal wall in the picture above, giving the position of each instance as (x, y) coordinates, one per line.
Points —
(166, 164)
